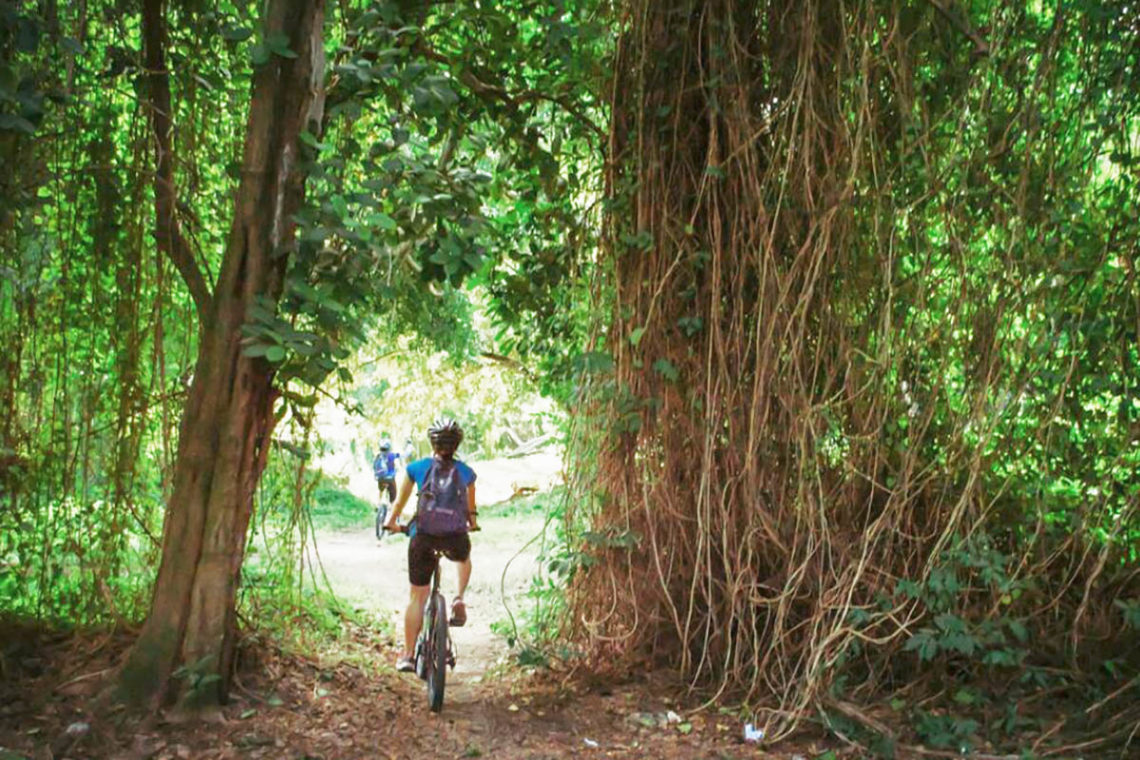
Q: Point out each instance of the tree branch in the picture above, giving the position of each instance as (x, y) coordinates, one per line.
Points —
(513, 100)
(945, 8)
(514, 364)
(167, 233)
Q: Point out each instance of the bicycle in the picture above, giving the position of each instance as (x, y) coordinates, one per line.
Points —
(381, 517)
(387, 491)
(434, 651)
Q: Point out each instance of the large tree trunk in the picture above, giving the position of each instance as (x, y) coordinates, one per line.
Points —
(226, 427)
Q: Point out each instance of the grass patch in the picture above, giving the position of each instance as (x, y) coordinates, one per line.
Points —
(542, 503)
(335, 508)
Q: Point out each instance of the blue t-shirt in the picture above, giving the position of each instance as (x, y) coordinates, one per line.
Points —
(384, 466)
(418, 470)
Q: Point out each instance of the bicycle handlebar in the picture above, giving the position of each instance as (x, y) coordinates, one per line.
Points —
(403, 528)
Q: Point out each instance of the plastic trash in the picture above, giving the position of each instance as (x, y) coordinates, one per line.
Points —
(753, 734)
(672, 717)
(590, 743)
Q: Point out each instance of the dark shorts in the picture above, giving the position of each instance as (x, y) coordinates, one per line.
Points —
(421, 560)
(389, 485)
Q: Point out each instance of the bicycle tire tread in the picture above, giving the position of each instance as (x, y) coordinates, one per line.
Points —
(437, 664)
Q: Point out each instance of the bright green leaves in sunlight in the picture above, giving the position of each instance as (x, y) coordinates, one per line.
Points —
(453, 172)
(436, 171)
(303, 354)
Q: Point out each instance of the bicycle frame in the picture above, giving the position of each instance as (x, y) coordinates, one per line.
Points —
(434, 651)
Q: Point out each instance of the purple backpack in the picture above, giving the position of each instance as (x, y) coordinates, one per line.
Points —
(441, 507)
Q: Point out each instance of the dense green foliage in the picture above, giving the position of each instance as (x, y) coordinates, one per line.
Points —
(457, 145)
(866, 422)
(841, 299)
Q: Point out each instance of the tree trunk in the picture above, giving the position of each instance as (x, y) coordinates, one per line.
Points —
(227, 423)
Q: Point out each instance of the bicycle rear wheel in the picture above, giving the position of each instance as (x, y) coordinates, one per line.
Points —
(437, 653)
(381, 520)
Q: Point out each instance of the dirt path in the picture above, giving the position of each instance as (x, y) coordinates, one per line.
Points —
(334, 705)
(373, 576)
(509, 717)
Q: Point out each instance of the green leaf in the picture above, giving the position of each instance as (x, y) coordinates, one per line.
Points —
(636, 335)
(1131, 611)
(690, 325)
(666, 369)
(208, 679)
(1003, 657)
(965, 697)
(259, 54)
(278, 44)
(12, 123)
(950, 623)
(961, 642)
(72, 45)
(311, 140)
(275, 354)
(236, 33)
(381, 220)
(922, 642)
(908, 588)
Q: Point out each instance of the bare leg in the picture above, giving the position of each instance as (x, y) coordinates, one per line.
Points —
(414, 617)
(464, 569)
(458, 606)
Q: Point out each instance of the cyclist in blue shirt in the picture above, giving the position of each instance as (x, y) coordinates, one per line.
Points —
(455, 544)
(384, 468)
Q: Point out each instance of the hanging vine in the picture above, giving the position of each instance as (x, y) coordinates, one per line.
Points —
(873, 291)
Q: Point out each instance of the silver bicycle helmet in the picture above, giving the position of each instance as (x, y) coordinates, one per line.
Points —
(445, 435)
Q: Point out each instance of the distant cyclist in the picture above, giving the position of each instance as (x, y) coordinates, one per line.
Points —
(384, 468)
(445, 512)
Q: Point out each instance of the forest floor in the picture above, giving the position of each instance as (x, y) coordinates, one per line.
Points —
(348, 701)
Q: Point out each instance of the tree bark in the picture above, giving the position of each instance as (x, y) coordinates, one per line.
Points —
(167, 232)
(227, 423)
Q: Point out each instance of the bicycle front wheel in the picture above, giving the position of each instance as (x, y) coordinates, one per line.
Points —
(437, 664)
